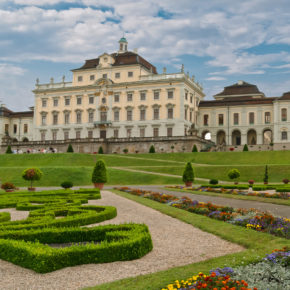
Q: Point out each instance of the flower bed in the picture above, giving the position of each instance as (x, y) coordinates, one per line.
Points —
(223, 189)
(271, 273)
(26, 242)
(251, 219)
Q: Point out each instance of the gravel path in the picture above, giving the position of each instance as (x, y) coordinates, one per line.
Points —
(16, 214)
(175, 244)
(275, 209)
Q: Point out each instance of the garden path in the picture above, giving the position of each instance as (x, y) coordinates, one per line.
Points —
(175, 244)
(275, 209)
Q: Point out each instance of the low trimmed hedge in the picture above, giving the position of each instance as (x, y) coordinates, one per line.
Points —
(227, 186)
(26, 242)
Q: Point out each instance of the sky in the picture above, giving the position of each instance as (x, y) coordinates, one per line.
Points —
(218, 41)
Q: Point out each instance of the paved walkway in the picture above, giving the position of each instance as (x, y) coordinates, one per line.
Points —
(275, 209)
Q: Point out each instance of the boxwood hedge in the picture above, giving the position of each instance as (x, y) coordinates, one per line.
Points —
(28, 242)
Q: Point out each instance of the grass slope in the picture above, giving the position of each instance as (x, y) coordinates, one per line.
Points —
(257, 245)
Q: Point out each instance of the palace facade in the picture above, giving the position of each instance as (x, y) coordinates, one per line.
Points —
(119, 101)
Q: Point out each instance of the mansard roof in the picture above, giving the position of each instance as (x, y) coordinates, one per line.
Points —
(8, 113)
(241, 88)
(125, 58)
(285, 96)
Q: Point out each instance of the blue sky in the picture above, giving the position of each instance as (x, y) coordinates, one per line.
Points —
(218, 41)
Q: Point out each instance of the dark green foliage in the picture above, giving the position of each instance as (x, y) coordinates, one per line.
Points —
(152, 149)
(100, 172)
(213, 181)
(100, 151)
(32, 174)
(245, 148)
(26, 242)
(188, 174)
(70, 149)
(266, 177)
(194, 148)
(66, 184)
(227, 186)
(9, 150)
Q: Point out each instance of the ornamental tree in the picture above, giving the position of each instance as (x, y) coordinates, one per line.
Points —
(234, 174)
(266, 177)
(194, 148)
(245, 148)
(100, 172)
(9, 150)
(32, 174)
(188, 174)
(152, 149)
(100, 151)
(70, 149)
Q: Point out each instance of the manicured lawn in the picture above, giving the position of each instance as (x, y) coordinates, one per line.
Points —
(276, 172)
(257, 245)
(81, 175)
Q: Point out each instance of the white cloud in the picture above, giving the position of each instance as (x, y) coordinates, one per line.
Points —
(6, 70)
(216, 78)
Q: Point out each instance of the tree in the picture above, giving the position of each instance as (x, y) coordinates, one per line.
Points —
(32, 174)
(172, 148)
(70, 149)
(245, 148)
(266, 177)
(8, 150)
(234, 174)
(66, 184)
(101, 151)
(152, 149)
(194, 148)
(100, 172)
(188, 174)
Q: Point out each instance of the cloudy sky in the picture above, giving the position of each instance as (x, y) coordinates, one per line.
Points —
(219, 41)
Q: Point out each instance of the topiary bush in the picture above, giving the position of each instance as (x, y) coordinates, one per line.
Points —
(152, 149)
(8, 150)
(188, 174)
(66, 184)
(100, 172)
(8, 186)
(70, 149)
(245, 148)
(32, 174)
(234, 174)
(213, 181)
(194, 148)
(100, 151)
(266, 177)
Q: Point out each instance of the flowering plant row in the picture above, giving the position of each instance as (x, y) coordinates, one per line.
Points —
(257, 275)
(251, 219)
(283, 195)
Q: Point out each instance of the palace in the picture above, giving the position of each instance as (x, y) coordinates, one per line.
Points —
(119, 101)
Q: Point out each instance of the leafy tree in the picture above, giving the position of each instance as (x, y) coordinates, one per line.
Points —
(32, 174)
(70, 149)
(100, 172)
(172, 148)
(213, 181)
(125, 150)
(188, 174)
(234, 174)
(266, 177)
(152, 149)
(194, 148)
(9, 150)
(245, 148)
(101, 151)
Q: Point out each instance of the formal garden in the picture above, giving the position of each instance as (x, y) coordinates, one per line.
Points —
(58, 230)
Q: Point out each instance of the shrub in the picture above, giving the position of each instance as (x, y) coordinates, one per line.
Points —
(70, 149)
(66, 184)
(9, 150)
(32, 174)
(152, 149)
(125, 150)
(8, 185)
(213, 181)
(194, 148)
(266, 177)
(100, 151)
(285, 180)
(245, 148)
(188, 174)
(100, 172)
(234, 174)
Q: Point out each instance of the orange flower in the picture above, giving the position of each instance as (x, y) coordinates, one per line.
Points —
(213, 274)
(204, 285)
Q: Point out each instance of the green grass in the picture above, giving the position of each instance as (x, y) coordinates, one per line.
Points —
(224, 158)
(276, 172)
(241, 197)
(81, 175)
(257, 245)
